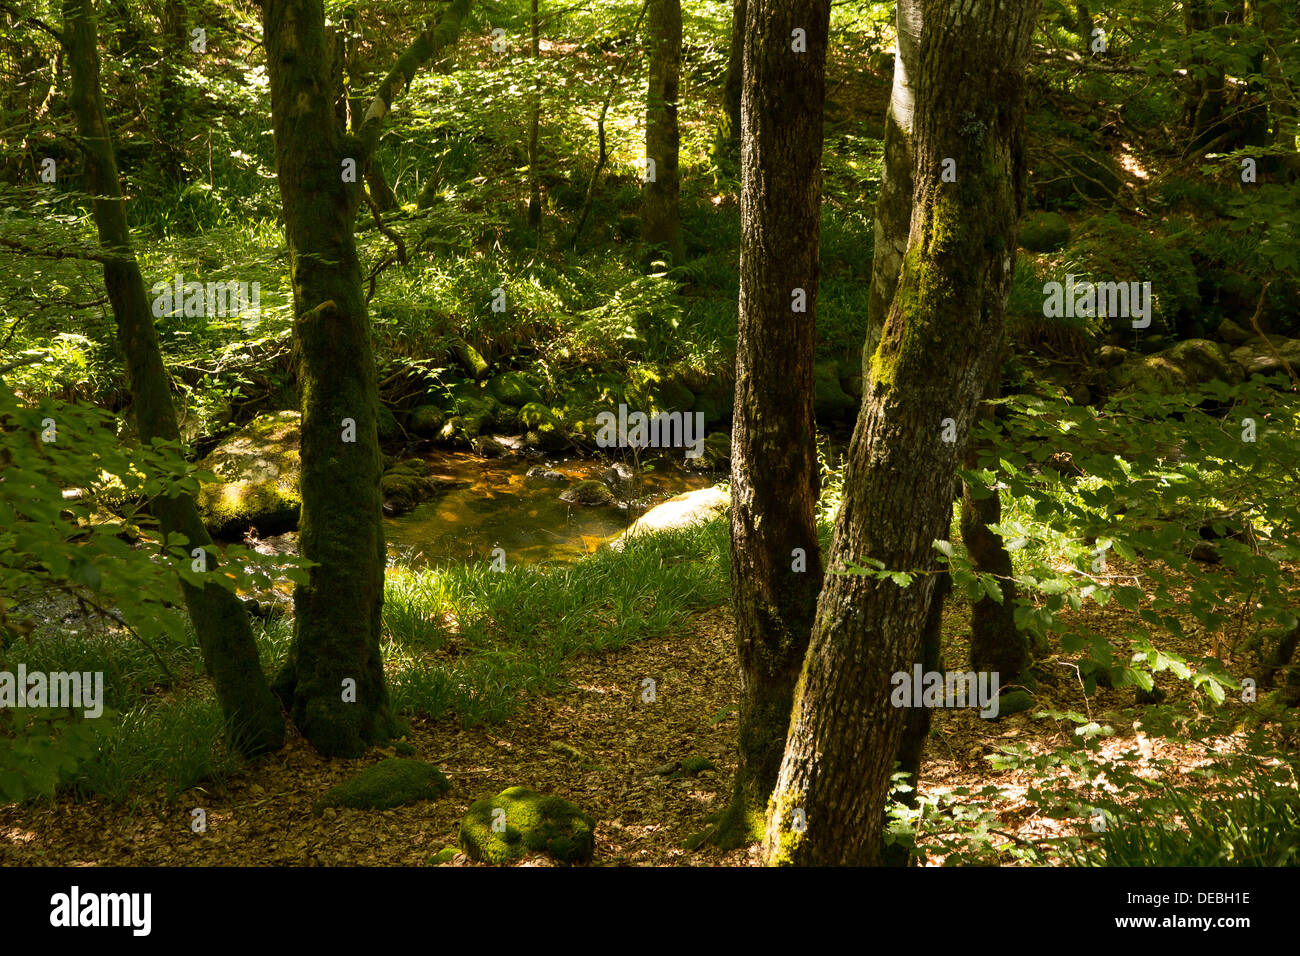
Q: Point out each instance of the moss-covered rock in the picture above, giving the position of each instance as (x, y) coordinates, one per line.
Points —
(514, 389)
(393, 782)
(589, 492)
(426, 420)
(675, 397)
(1260, 356)
(387, 424)
(1182, 366)
(830, 401)
(445, 855)
(1044, 232)
(258, 469)
(518, 821)
(716, 455)
(408, 483)
(470, 359)
(1014, 702)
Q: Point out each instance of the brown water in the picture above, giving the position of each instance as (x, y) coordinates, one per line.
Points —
(500, 507)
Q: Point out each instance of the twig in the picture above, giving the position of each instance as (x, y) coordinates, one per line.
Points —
(1254, 323)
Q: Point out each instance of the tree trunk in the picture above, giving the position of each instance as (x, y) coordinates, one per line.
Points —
(775, 561)
(334, 681)
(171, 105)
(252, 714)
(735, 70)
(660, 213)
(938, 349)
(534, 185)
(996, 644)
(894, 202)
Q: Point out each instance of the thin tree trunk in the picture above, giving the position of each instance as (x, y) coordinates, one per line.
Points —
(939, 347)
(775, 560)
(894, 202)
(534, 184)
(735, 70)
(660, 211)
(171, 92)
(253, 719)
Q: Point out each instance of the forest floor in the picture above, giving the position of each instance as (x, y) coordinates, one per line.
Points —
(595, 742)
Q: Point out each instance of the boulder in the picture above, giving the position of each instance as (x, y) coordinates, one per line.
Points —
(394, 782)
(1256, 356)
(716, 456)
(257, 470)
(1184, 365)
(1044, 232)
(589, 492)
(683, 511)
(426, 420)
(514, 389)
(407, 484)
(830, 401)
(1232, 333)
(518, 821)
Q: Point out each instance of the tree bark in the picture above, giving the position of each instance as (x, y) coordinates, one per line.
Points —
(894, 202)
(334, 680)
(938, 349)
(253, 719)
(660, 211)
(775, 561)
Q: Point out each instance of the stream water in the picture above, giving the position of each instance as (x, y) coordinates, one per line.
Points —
(499, 506)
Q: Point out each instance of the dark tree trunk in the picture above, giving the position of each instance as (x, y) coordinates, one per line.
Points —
(939, 347)
(1206, 96)
(735, 70)
(171, 106)
(894, 202)
(660, 213)
(334, 681)
(253, 719)
(775, 561)
(996, 644)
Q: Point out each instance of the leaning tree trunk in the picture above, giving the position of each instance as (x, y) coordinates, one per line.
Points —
(660, 211)
(252, 715)
(938, 350)
(775, 560)
(334, 680)
(732, 86)
(894, 201)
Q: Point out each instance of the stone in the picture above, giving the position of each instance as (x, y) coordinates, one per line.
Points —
(526, 822)
(514, 389)
(393, 782)
(683, 511)
(830, 401)
(426, 420)
(258, 470)
(1232, 333)
(1044, 232)
(589, 492)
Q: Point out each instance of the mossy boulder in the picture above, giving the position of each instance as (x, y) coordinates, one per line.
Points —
(407, 484)
(387, 424)
(393, 782)
(526, 822)
(830, 401)
(257, 469)
(1182, 366)
(1014, 702)
(514, 389)
(716, 455)
(673, 396)
(1044, 232)
(470, 359)
(1257, 357)
(590, 492)
(473, 412)
(426, 420)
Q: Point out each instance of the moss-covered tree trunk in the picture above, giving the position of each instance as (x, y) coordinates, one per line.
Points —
(732, 86)
(775, 560)
(938, 349)
(253, 719)
(661, 224)
(334, 681)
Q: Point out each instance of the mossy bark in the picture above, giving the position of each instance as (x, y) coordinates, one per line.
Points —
(775, 560)
(253, 719)
(938, 350)
(661, 223)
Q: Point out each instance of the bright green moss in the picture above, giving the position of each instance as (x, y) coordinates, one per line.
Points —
(531, 823)
(393, 782)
